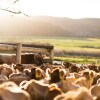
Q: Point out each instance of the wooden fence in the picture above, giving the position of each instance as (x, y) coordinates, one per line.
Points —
(19, 48)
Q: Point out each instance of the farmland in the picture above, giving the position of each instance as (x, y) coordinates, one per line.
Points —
(82, 50)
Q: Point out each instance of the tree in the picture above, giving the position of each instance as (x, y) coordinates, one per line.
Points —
(9, 6)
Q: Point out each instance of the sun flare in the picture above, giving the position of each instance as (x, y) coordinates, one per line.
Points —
(58, 8)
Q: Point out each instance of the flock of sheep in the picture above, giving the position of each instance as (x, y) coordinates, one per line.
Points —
(66, 81)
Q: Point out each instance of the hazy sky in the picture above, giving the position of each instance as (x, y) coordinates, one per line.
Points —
(61, 8)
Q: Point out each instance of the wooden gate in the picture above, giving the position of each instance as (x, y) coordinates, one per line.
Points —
(19, 48)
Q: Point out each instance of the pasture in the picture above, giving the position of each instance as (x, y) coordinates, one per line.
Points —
(75, 49)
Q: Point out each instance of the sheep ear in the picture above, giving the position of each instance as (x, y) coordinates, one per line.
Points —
(38, 73)
(91, 74)
(48, 71)
(62, 74)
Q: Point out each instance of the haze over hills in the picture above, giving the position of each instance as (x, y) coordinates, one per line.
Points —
(47, 26)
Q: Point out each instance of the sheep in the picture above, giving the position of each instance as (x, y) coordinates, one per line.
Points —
(86, 80)
(53, 92)
(10, 91)
(5, 70)
(95, 90)
(36, 73)
(80, 94)
(36, 89)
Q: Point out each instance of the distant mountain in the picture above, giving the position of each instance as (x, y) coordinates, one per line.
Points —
(47, 26)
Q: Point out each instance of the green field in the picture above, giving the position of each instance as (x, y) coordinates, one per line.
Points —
(60, 42)
(72, 43)
(82, 50)
(80, 60)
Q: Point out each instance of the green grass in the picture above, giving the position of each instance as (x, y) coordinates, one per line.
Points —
(63, 43)
(80, 60)
(69, 44)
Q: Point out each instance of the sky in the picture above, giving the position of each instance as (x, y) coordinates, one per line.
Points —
(60, 8)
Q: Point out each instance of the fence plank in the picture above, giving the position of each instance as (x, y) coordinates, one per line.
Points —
(19, 48)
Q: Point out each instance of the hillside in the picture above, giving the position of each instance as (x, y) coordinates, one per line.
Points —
(47, 26)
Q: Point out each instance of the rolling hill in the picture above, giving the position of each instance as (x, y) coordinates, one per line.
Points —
(46, 26)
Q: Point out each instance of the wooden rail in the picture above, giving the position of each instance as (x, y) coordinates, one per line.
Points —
(19, 48)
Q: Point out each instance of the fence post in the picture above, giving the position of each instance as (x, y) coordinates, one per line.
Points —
(51, 55)
(18, 53)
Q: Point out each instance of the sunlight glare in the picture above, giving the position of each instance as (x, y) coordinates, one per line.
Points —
(57, 8)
